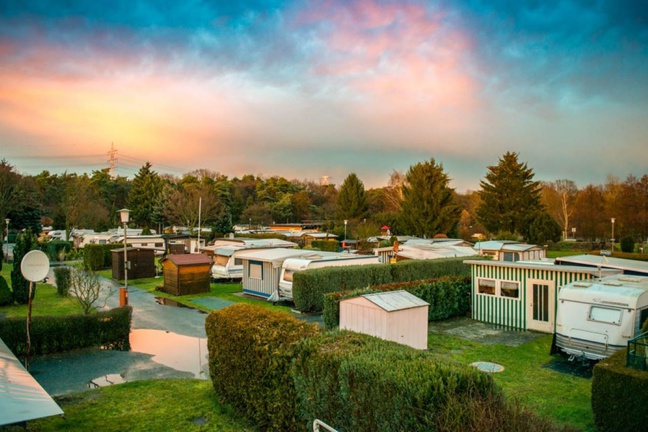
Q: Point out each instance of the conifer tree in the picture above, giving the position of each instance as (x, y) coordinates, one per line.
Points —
(351, 201)
(510, 197)
(25, 242)
(143, 196)
(428, 207)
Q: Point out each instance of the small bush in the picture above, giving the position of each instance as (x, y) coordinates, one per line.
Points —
(6, 297)
(56, 250)
(627, 244)
(54, 334)
(62, 276)
(326, 245)
(98, 257)
(619, 396)
(250, 355)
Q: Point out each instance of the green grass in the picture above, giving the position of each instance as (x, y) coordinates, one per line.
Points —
(155, 405)
(563, 397)
(46, 301)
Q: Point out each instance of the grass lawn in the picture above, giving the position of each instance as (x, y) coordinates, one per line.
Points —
(527, 376)
(155, 405)
(46, 301)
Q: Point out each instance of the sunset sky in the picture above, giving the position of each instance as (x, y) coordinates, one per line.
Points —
(303, 89)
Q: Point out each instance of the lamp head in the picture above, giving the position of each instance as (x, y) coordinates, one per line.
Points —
(612, 220)
(124, 214)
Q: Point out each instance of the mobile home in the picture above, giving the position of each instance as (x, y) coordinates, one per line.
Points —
(509, 250)
(597, 318)
(318, 260)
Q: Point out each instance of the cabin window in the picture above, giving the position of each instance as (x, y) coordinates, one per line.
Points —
(288, 275)
(486, 286)
(159, 244)
(608, 315)
(238, 261)
(510, 289)
(511, 256)
(221, 260)
(255, 270)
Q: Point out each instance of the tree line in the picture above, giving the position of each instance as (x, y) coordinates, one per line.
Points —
(509, 204)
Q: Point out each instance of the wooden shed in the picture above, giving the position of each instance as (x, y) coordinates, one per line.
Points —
(395, 316)
(142, 263)
(186, 273)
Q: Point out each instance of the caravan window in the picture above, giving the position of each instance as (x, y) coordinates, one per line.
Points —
(256, 270)
(510, 289)
(486, 286)
(221, 260)
(511, 256)
(238, 261)
(288, 275)
(608, 315)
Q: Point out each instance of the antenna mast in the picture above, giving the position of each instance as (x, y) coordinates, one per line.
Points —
(112, 160)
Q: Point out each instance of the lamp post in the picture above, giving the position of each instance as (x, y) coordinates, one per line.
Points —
(574, 233)
(345, 226)
(6, 238)
(612, 234)
(123, 294)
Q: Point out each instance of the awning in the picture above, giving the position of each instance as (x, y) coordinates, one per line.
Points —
(21, 397)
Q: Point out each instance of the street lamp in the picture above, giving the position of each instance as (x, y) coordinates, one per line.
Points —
(612, 234)
(6, 238)
(345, 226)
(123, 295)
(574, 233)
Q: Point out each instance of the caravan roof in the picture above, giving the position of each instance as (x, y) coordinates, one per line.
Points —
(617, 290)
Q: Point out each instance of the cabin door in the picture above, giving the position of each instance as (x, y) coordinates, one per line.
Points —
(541, 309)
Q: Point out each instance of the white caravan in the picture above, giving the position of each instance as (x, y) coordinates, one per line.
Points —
(227, 264)
(319, 260)
(596, 318)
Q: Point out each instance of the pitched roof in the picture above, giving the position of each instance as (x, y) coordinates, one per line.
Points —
(189, 259)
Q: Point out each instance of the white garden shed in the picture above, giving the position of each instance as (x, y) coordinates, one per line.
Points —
(395, 316)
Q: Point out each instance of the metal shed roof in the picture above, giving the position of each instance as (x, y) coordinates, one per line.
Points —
(628, 266)
(21, 397)
(395, 300)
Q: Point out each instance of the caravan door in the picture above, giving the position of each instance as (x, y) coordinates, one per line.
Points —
(541, 305)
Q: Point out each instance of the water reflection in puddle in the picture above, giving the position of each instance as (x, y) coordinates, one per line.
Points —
(181, 353)
(168, 302)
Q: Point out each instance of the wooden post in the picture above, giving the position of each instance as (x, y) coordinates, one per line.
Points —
(29, 312)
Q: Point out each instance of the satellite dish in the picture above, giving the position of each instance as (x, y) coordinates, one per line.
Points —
(34, 266)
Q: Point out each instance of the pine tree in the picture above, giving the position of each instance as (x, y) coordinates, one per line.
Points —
(351, 201)
(510, 197)
(428, 205)
(25, 242)
(143, 196)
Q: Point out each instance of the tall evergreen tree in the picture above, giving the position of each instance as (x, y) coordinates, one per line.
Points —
(143, 195)
(25, 242)
(510, 197)
(429, 206)
(351, 201)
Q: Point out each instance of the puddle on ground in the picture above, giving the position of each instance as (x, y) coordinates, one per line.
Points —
(168, 302)
(181, 353)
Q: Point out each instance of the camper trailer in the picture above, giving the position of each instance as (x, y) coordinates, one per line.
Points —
(225, 252)
(292, 265)
(597, 318)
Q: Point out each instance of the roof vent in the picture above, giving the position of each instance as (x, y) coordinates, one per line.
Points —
(582, 284)
(612, 283)
(632, 279)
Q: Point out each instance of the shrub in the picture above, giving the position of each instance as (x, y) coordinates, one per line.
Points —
(25, 242)
(326, 245)
(619, 396)
(56, 249)
(53, 334)
(98, 257)
(627, 244)
(250, 354)
(6, 297)
(62, 276)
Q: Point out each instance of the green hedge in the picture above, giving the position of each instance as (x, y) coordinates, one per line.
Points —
(625, 255)
(54, 334)
(98, 257)
(326, 245)
(56, 249)
(448, 297)
(619, 395)
(355, 382)
(62, 277)
(250, 353)
(310, 286)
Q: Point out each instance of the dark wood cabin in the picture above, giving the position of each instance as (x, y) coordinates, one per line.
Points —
(142, 263)
(186, 273)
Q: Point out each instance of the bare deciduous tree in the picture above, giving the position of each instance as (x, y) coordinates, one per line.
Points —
(85, 288)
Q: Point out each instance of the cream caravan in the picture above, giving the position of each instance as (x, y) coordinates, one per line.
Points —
(597, 318)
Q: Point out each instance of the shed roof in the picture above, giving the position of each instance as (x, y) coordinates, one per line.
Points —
(504, 245)
(395, 300)
(189, 259)
(277, 256)
(21, 397)
(544, 265)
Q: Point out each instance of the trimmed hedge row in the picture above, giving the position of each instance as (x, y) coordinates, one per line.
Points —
(250, 352)
(310, 286)
(448, 297)
(53, 334)
(99, 256)
(326, 245)
(56, 249)
(619, 395)
(283, 374)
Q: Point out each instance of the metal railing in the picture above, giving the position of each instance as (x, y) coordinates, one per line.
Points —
(637, 356)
